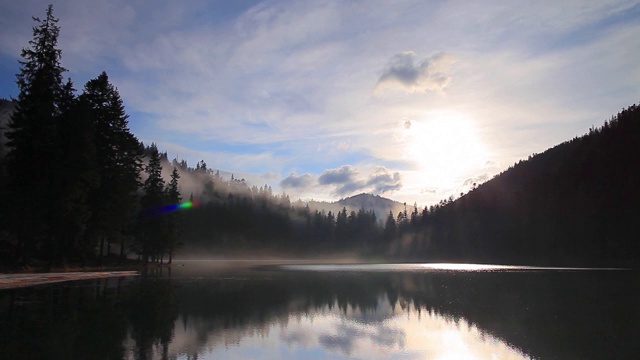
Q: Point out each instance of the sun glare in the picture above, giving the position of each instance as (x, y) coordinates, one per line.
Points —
(444, 147)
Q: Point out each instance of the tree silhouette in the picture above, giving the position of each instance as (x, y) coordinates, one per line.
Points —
(173, 220)
(151, 226)
(117, 160)
(34, 149)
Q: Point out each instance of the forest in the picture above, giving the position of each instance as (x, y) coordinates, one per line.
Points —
(76, 186)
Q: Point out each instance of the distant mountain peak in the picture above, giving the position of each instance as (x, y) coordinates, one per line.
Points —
(381, 206)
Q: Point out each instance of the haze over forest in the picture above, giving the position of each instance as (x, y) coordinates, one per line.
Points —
(78, 184)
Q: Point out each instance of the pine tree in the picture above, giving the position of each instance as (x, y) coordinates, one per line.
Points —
(173, 218)
(151, 226)
(79, 178)
(34, 149)
(390, 227)
(118, 158)
(341, 226)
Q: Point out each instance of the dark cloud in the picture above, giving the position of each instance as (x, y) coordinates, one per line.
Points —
(298, 338)
(383, 180)
(343, 175)
(347, 180)
(342, 343)
(294, 181)
(388, 337)
(405, 72)
(350, 334)
(349, 188)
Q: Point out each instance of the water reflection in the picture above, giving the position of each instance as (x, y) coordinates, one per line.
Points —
(379, 334)
(205, 313)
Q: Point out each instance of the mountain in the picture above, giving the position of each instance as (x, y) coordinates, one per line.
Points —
(576, 204)
(380, 205)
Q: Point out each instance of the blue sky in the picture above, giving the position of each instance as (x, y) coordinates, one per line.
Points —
(325, 99)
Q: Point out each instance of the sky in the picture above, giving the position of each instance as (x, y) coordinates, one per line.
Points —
(411, 100)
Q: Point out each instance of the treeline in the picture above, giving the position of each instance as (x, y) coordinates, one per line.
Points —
(77, 185)
(230, 215)
(70, 181)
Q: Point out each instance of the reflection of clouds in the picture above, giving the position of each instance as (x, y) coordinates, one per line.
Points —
(351, 336)
(299, 337)
(347, 332)
(330, 332)
(388, 336)
(406, 334)
(343, 344)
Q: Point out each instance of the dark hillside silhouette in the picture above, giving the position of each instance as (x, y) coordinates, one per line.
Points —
(577, 203)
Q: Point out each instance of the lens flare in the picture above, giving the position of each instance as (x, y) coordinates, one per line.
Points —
(173, 207)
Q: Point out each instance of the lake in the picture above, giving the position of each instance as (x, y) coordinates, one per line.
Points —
(249, 310)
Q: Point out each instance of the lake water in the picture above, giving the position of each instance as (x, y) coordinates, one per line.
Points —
(244, 310)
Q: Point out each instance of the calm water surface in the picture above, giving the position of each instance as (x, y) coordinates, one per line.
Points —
(244, 310)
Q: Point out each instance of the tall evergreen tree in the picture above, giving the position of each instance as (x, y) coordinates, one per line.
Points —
(118, 158)
(34, 148)
(390, 228)
(80, 176)
(173, 218)
(151, 226)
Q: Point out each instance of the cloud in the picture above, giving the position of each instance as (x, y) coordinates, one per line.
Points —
(347, 180)
(294, 181)
(404, 72)
(383, 180)
(476, 180)
(339, 343)
(342, 175)
(351, 334)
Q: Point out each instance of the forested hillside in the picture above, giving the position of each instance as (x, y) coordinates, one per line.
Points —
(380, 205)
(577, 203)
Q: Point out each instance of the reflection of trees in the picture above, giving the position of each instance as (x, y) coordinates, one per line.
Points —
(87, 320)
(547, 314)
(63, 322)
(152, 309)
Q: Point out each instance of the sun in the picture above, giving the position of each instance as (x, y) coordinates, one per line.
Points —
(444, 147)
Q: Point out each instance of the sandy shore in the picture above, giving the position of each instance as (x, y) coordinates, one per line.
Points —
(8, 281)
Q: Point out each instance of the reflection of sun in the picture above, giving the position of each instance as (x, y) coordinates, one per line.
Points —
(444, 147)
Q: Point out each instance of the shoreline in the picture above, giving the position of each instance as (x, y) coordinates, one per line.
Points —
(13, 281)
